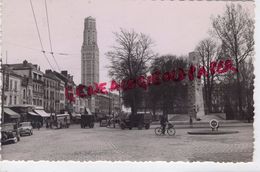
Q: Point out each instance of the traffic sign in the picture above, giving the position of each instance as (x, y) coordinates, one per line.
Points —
(214, 124)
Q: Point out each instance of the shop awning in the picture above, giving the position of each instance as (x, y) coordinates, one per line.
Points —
(63, 115)
(42, 113)
(75, 114)
(33, 113)
(11, 113)
(88, 111)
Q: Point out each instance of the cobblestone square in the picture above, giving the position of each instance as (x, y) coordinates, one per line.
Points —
(101, 143)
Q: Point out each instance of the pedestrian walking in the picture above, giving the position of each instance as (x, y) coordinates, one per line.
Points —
(191, 122)
(38, 125)
(47, 123)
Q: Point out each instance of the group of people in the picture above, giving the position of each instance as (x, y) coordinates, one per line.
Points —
(53, 121)
(36, 124)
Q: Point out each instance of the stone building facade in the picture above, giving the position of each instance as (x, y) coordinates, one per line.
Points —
(32, 82)
(13, 88)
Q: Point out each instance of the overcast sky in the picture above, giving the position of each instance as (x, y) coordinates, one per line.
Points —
(175, 27)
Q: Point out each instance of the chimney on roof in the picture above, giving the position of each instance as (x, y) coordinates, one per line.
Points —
(25, 62)
(64, 72)
(48, 71)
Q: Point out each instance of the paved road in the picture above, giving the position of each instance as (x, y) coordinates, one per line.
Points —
(134, 145)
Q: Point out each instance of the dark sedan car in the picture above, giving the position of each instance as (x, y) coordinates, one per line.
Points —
(9, 133)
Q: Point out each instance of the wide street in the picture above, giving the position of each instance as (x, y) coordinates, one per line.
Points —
(101, 143)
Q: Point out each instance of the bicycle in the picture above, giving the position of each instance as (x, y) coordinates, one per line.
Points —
(112, 122)
(169, 128)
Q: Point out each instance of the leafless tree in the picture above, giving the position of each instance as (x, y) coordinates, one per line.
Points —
(129, 59)
(235, 28)
(208, 51)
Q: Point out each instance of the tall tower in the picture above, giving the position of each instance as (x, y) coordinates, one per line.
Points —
(90, 57)
(89, 53)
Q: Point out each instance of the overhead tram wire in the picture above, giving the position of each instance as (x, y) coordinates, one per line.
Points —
(49, 33)
(36, 49)
(39, 36)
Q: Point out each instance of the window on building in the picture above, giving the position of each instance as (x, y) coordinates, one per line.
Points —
(15, 85)
(15, 100)
(23, 94)
(10, 100)
(61, 96)
(34, 76)
(11, 84)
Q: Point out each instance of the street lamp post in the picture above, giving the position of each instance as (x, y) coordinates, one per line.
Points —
(109, 102)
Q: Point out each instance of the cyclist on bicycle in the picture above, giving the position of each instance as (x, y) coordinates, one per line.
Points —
(163, 123)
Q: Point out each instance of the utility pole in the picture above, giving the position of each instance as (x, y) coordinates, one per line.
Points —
(109, 104)
(3, 91)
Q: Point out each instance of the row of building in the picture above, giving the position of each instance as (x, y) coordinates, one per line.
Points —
(26, 84)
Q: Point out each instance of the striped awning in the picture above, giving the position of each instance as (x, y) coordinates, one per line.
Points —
(42, 113)
(11, 113)
(33, 114)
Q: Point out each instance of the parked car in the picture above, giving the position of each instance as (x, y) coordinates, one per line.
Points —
(25, 128)
(9, 133)
(140, 120)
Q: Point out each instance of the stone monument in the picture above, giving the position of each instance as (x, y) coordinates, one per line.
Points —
(195, 93)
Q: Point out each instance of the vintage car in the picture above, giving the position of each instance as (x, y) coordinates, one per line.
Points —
(9, 133)
(140, 120)
(87, 120)
(25, 128)
(62, 121)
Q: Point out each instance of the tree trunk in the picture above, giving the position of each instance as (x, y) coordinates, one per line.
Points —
(210, 102)
(133, 107)
(239, 92)
(154, 110)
